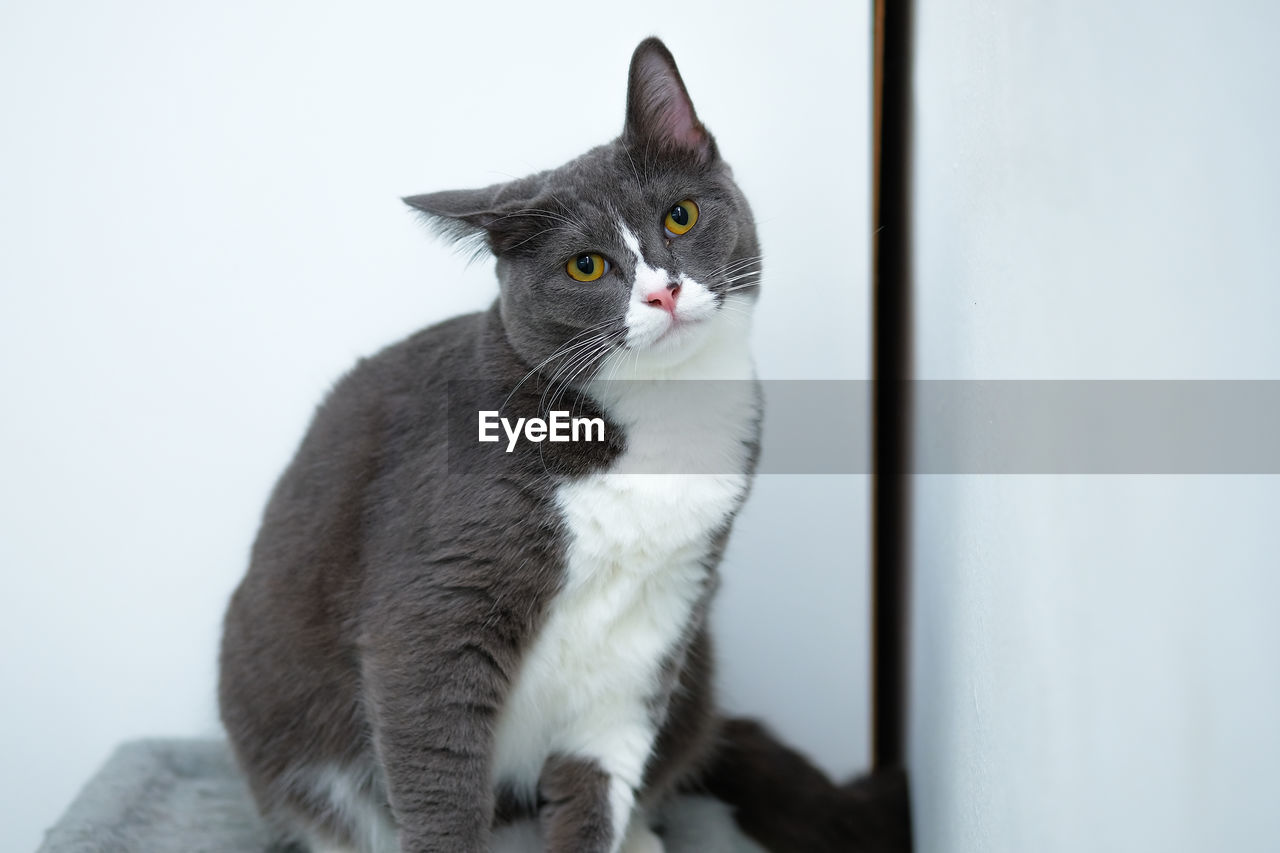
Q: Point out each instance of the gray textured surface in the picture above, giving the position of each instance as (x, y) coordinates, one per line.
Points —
(186, 796)
(162, 796)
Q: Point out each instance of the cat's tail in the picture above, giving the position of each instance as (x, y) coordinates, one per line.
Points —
(789, 806)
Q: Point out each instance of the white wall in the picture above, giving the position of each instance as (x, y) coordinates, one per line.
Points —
(1097, 196)
(200, 229)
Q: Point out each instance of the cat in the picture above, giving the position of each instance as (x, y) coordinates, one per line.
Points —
(438, 635)
(433, 633)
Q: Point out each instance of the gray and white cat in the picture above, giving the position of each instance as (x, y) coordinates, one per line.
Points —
(434, 633)
(436, 636)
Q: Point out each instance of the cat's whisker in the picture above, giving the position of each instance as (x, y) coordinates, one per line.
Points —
(617, 365)
(582, 226)
(603, 345)
(736, 266)
(552, 395)
(533, 237)
(569, 363)
(565, 371)
(537, 212)
(743, 262)
(737, 282)
(561, 351)
(583, 350)
(583, 363)
(635, 171)
(609, 345)
(564, 350)
(565, 222)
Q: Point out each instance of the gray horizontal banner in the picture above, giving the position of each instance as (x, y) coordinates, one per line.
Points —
(1096, 427)
(960, 427)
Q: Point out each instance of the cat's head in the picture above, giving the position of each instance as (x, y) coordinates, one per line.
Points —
(643, 246)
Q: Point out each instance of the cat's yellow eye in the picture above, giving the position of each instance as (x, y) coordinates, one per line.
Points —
(588, 266)
(681, 217)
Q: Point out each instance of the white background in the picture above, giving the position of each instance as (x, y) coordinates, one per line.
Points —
(1097, 196)
(200, 230)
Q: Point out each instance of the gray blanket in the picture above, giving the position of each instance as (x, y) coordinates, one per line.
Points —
(186, 796)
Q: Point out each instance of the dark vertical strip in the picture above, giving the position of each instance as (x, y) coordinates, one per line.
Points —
(891, 368)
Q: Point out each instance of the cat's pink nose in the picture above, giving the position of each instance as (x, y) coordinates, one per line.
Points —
(665, 298)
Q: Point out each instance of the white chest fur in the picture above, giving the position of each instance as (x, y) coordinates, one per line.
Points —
(637, 545)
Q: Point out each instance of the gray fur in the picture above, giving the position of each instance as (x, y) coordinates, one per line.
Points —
(398, 577)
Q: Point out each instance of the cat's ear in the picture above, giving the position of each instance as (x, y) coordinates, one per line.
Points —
(659, 111)
(498, 216)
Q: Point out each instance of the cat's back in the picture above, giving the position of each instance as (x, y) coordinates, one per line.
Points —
(384, 414)
(292, 628)
(385, 403)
